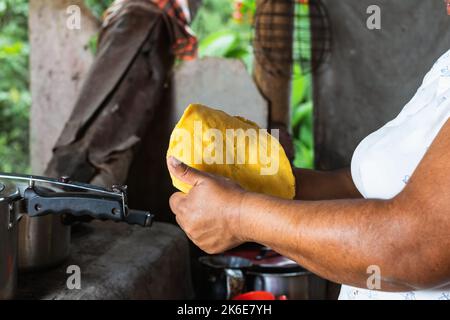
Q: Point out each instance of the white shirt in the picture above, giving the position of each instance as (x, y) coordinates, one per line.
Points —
(384, 162)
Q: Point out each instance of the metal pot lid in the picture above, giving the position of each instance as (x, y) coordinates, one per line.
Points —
(267, 260)
(8, 191)
(225, 262)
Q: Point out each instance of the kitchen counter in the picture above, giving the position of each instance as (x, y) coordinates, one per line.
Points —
(117, 261)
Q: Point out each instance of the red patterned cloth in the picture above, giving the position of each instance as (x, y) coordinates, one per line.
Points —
(186, 44)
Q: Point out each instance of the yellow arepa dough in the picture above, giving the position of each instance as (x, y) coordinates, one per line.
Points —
(215, 142)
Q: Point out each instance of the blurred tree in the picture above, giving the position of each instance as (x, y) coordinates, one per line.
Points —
(98, 6)
(14, 81)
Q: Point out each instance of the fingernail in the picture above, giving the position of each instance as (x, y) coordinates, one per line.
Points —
(174, 162)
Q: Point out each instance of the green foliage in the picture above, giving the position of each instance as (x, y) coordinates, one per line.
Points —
(302, 118)
(98, 6)
(227, 43)
(213, 16)
(224, 29)
(15, 99)
(221, 33)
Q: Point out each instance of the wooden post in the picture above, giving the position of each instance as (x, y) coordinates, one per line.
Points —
(273, 63)
(60, 59)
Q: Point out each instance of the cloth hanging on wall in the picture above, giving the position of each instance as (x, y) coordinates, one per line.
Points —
(185, 44)
(119, 98)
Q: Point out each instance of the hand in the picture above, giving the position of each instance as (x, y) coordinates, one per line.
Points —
(210, 213)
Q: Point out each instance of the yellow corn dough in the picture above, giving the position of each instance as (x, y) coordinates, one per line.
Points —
(215, 142)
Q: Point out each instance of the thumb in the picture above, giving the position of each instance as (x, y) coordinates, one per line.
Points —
(183, 172)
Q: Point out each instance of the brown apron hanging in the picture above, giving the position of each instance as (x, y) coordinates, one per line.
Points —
(119, 98)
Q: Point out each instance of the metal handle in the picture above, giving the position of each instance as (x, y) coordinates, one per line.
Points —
(141, 218)
(41, 203)
(14, 215)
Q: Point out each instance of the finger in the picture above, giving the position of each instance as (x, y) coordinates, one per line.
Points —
(175, 202)
(185, 173)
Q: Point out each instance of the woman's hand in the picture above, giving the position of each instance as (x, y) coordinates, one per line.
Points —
(210, 213)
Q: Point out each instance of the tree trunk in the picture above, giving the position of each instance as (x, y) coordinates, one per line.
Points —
(59, 61)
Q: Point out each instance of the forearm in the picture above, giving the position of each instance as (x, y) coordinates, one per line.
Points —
(340, 239)
(320, 185)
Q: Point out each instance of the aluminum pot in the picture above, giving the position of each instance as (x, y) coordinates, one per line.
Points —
(44, 239)
(298, 285)
(9, 217)
(225, 276)
(259, 269)
(280, 276)
(38, 198)
(44, 242)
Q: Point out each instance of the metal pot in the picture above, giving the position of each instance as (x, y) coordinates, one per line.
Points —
(225, 276)
(9, 217)
(37, 198)
(44, 242)
(259, 269)
(281, 276)
(299, 285)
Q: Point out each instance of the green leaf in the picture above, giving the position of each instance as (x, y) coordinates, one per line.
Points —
(301, 113)
(93, 44)
(98, 6)
(304, 157)
(15, 99)
(299, 87)
(219, 44)
(306, 137)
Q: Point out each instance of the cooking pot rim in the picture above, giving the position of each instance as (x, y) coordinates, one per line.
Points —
(281, 273)
(213, 261)
(9, 192)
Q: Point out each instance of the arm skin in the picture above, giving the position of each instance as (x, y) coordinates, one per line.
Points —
(318, 185)
(408, 237)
